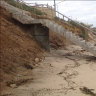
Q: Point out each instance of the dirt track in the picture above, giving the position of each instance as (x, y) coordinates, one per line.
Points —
(62, 73)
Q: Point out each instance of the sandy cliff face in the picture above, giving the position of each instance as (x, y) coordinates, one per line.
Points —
(17, 47)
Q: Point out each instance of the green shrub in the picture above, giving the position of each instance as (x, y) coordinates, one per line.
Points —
(25, 7)
(73, 23)
(84, 34)
(56, 18)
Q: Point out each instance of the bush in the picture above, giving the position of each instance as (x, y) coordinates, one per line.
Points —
(56, 18)
(73, 23)
(25, 7)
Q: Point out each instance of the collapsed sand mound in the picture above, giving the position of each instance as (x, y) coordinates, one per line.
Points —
(57, 41)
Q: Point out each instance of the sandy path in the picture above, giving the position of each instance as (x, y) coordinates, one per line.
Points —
(60, 75)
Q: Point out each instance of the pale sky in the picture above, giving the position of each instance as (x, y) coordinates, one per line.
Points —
(84, 11)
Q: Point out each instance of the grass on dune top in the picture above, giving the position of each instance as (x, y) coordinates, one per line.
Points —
(25, 7)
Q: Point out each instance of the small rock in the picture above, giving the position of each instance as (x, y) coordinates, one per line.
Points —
(60, 73)
(13, 85)
(37, 60)
(28, 66)
(41, 60)
(36, 65)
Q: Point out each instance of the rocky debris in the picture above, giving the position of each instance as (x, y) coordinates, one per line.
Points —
(60, 73)
(91, 58)
(28, 66)
(37, 60)
(41, 60)
(13, 85)
(88, 91)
